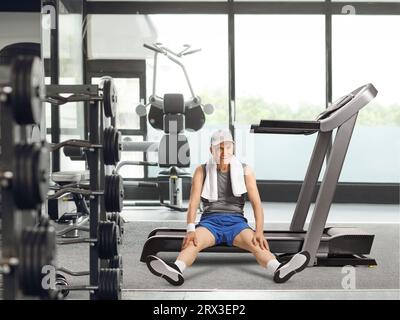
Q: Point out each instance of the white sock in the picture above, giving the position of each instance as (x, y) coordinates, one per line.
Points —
(181, 265)
(272, 266)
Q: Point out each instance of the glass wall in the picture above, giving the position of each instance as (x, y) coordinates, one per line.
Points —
(207, 69)
(361, 54)
(280, 74)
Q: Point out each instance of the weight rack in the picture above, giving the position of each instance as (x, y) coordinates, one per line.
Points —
(17, 216)
(96, 166)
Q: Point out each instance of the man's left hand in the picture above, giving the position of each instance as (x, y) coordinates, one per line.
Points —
(259, 240)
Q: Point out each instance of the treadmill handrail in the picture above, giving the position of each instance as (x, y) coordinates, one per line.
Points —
(333, 117)
(362, 96)
(286, 127)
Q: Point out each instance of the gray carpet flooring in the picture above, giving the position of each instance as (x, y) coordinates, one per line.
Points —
(240, 271)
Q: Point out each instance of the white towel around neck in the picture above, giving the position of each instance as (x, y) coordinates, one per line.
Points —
(210, 187)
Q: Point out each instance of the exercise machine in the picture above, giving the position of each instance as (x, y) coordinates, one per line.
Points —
(328, 246)
(173, 115)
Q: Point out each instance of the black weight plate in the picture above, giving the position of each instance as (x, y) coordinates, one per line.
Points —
(29, 263)
(115, 262)
(22, 185)
(106, 237)
(18, 174)
(24, 113)
(100, 240)
(103, 291)
(109, 98)
(110, 239)
(117, 146)
(120, 223)
(24, 260)
(40, 168)
(17, 83)
(107, 153)
(116, 284)
(28, 90)
(109, 149)
(33, 271)
(28, 178)
(33, 262)
(35, 83)
(110, 187)
(48, 246)
(41, 260)
(109, 284)
(121, 194)
(115, 240)
(27, 188)
(115, 216)
(111, 146)
(38, 89)
(114, 193)
(107, 193)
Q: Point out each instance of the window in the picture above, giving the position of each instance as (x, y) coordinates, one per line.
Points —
(207, 69)
(280, 74)
(362, 55)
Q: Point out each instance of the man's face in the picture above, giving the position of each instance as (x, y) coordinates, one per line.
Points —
(222, 153)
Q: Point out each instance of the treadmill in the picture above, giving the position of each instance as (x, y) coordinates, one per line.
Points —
(330, 246)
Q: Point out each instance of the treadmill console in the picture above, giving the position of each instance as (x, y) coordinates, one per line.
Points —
(339, 103)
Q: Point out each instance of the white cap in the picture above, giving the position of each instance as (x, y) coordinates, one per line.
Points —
(220, 136)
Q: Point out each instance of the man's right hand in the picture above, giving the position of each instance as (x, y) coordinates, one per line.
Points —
(190, 237)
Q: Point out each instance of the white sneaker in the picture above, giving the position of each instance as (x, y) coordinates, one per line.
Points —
(168, 271)
(287, 269)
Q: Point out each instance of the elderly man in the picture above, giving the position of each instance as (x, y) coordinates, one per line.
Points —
(221, 185)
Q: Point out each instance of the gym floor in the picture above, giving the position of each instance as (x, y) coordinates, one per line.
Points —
(140, 284)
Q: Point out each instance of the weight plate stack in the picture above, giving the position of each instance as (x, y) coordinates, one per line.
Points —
(115, 262)
(108, 245)
(116, 217)
(109, 284)
(112, 146)
(31, 174)
(113, 193)
(37, 250)
(109, 97)
(28, 89)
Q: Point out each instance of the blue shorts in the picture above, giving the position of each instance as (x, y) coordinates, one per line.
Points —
(225, 227)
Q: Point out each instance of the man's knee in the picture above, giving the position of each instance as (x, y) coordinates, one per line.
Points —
(198, 247)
